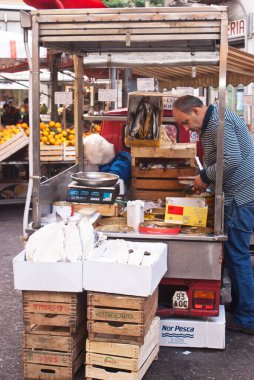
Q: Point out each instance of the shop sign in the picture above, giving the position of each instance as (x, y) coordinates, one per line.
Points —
(236, 29)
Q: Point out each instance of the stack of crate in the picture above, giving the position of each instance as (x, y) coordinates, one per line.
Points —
(54, 334)
(123, 336)
(155, 171)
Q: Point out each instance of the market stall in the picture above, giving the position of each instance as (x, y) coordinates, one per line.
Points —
(133, 262)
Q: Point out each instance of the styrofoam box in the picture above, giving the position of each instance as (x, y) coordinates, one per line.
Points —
(57, 277)
(184, 332)
(127, 279)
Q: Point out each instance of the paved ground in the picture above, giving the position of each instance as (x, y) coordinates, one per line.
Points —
(233, 363)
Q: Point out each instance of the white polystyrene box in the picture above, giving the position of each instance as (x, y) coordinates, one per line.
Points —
(194, 332)
(57, 277)
(127, 279)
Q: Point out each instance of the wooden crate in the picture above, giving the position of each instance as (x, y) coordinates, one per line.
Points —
(118, 361)
(121, 319)
(155, 183)
(13, 145)
(69, 153)
(51, 152)
(54, 372)
(53, 312)
(104, 210)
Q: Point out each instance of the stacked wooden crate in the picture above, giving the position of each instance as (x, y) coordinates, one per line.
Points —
(155, 171)
(123, 336)
(54, 334)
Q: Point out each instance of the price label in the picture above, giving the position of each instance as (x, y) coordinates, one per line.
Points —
(105, 95)
(64, 98)
(145, 84)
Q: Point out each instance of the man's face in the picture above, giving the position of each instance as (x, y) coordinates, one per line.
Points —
(192, 121)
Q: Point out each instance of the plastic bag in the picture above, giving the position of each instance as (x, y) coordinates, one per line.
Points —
(98, 150)
(120, 165)
(72, 243)
(46, 244)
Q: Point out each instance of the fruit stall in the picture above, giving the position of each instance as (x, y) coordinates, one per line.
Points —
(143, 268)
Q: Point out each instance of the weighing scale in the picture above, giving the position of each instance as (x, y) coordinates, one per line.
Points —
(85, 194)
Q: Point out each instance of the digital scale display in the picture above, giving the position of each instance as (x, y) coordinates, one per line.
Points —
(101, 195)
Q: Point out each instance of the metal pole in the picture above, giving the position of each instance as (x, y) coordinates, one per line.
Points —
(219, 201)
(78, 110)
(126, 85)
(35, 127)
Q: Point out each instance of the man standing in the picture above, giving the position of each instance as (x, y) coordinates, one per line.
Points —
(238, 187)
(11, 115)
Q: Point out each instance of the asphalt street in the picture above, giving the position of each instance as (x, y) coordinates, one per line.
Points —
(233, 363)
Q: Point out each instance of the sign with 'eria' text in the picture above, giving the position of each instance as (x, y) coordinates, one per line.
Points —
(236, 29)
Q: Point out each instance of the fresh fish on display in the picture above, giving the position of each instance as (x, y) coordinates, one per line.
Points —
(145, 121)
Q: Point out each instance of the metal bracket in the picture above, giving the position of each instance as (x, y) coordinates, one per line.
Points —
(128, 38)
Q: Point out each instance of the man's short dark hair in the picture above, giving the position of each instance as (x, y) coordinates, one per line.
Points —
(26, 101)
(187, 102)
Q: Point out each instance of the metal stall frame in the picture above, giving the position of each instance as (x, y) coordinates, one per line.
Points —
(157, 31)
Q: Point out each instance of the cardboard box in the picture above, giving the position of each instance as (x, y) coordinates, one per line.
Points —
(184, 332)
(55, 277)
(128, 279)
(186, 211)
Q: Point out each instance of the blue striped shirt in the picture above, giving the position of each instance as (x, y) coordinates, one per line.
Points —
(238, 158)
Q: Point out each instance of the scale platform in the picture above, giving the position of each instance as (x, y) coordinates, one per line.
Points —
(85, 194)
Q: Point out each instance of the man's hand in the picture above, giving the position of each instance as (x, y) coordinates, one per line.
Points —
(199, 184)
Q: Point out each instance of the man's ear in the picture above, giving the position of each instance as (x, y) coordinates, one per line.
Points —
(196, 110)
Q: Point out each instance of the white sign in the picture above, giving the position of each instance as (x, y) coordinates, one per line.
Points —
(145, 84)
(236, 28)
(105, 95)
(168, 102)
(64, 98)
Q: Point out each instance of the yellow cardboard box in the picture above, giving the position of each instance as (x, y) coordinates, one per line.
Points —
(186, 211)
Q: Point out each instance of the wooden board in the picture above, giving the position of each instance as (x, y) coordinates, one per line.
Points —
(154, 195)
(156, 184)
(179, 150)
(94, 372)
(104, 210)
(13, 145)
(136, 172)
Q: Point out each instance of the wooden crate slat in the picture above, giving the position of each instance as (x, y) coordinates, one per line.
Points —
(136, 172)
(63, 297)
(123, 329)
(119, 315)
(179, 150)
(155, 194)
(157, 184)
(49, 307)
(115, 300)
(50, 319)
(13, 145)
